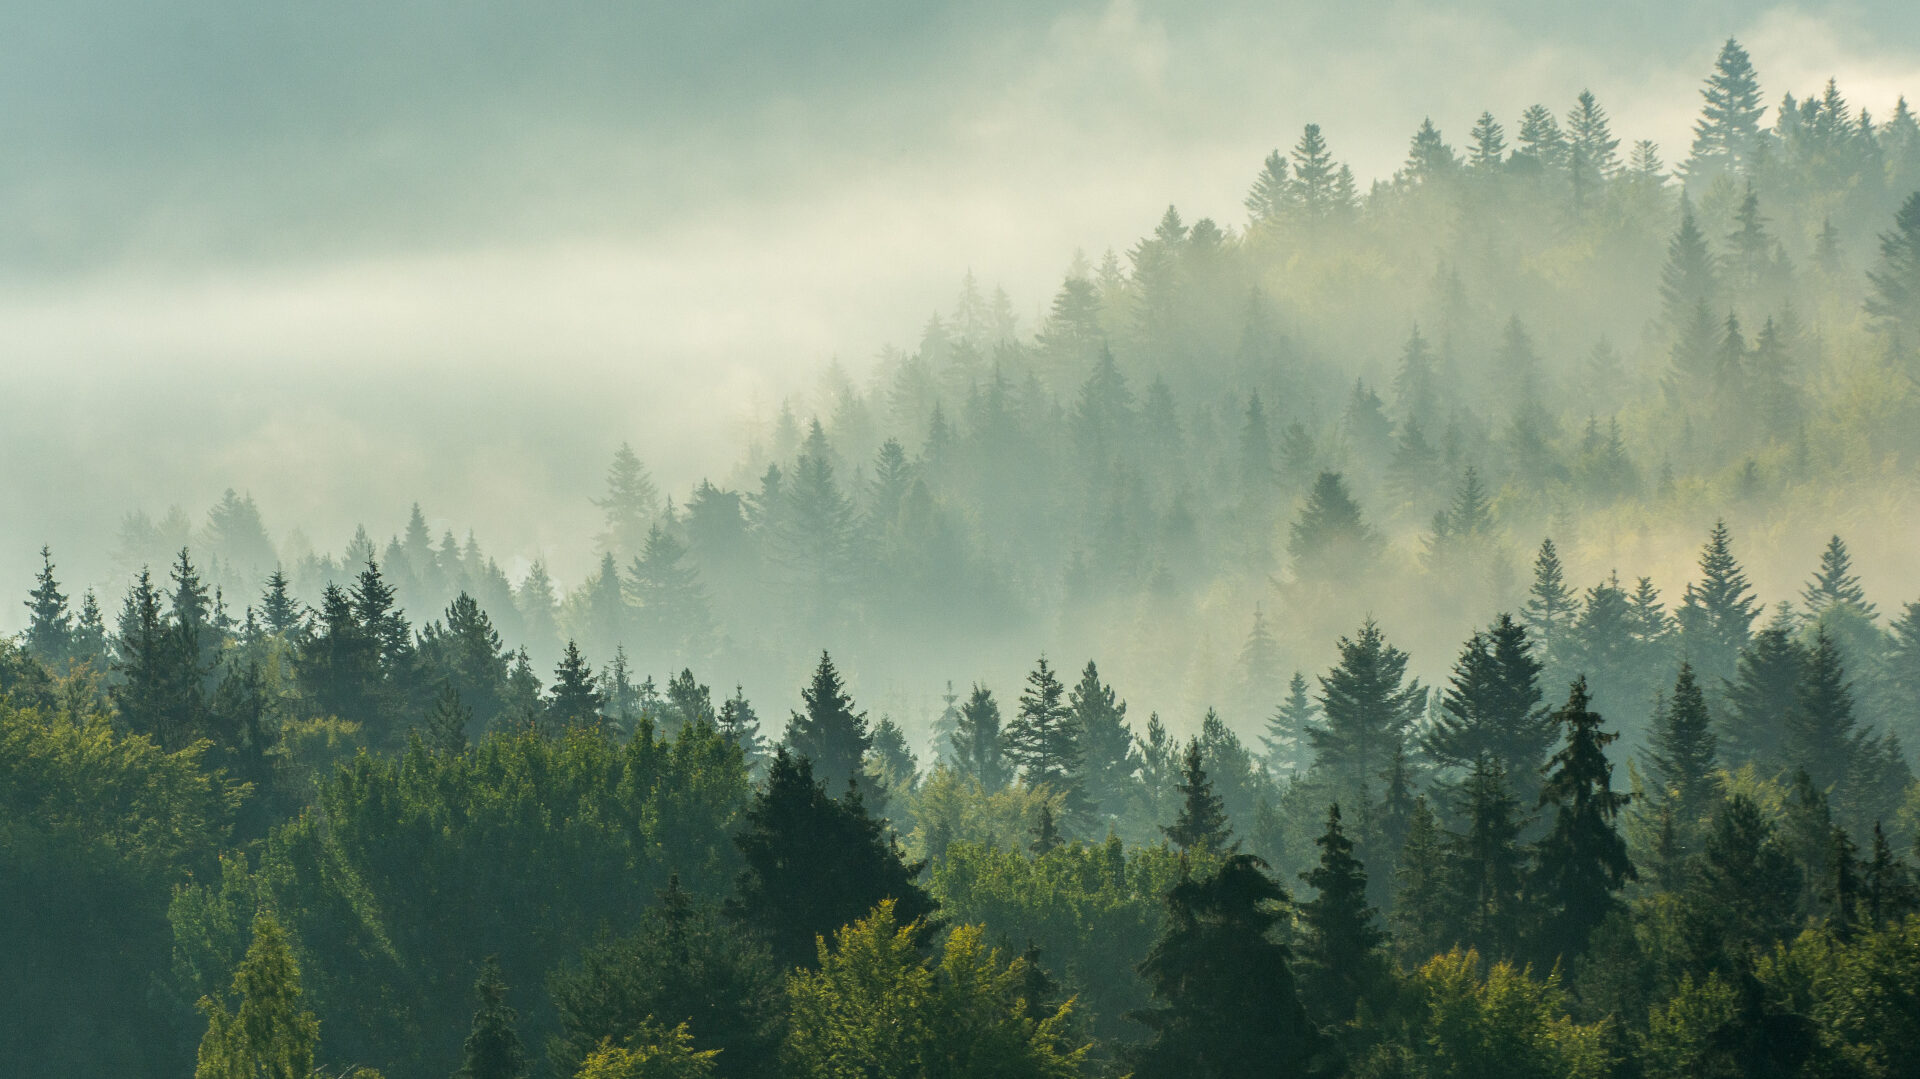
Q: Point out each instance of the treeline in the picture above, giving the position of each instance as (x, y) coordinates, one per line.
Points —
(357, 843)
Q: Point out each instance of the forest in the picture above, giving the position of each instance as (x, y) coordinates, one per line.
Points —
(1473, 550)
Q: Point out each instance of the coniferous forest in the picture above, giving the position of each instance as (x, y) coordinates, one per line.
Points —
(1400, 631)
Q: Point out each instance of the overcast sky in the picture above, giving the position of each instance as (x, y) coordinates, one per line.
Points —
(351, 254)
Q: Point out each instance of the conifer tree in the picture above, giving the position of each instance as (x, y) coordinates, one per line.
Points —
(90, 642)
(815, 863)
(1728, 132)
(1226, 1002)
(1542, 149)
(741, 726)
(492, 1049)
(1045, 742)
(1687, 283)
(271, 1034)
(447, 723)
(629, 506)
(1682, 750)
(1202, 824)
(279, 611)
(1489, 152)
(1272, 192)
(1315, 180)
(574, 699)
(1367, 704)
(1108, 760)
(1887, 890)
(979, 746)
(1754, 723)
(1287, 728)
(1550, 609)
(1716, 615)
(1492, 705)
(1582, 863)
(1331, 541)
(892, 768)
(49, 635)
(1743, 889)
(668, 599)
(1485, 863)
(1895, 297)
(1834, 583)
(1341, 959)
(1423, 919)
(829, 733)
(1819, 733)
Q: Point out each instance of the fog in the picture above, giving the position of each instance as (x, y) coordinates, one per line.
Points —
(350, 258)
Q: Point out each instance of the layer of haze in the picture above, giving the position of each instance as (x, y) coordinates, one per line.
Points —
(348, 256)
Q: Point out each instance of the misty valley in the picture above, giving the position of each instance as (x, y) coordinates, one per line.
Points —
(1459, 623)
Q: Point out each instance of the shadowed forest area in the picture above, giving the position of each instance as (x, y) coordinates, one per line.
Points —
(1411, 631)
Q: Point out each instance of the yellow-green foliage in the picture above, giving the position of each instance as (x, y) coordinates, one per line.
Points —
(949, 801)
(1500, 1023)
(876, 1008)
(271, 1034)
(656, 1054)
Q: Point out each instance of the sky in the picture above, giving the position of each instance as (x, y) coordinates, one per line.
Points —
(346, 256)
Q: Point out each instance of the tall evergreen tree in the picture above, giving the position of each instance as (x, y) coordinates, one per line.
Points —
(1288, 727)
(1342, 963)
(447, 722)
(829, 733)
(1045, 742)
(1834, 583)
(574, 699)
(1820, 734)
(1485, 865)
(1367, 704)
(1716, 615)
(1423, 920)
(1687, 283)
(1331, 542)
(629, 506)
(978, 744)
(492, 1049)
(1753, 724)
(1492, 705)
(49, 635)
(1895, 296)
(1550, 609)
(1728, 132)
(1682, 752)
(279, 611)
(741, 726)
(1108, 761)
(1202, 824)
(1227, 1005)
(1582, 863)
(815, 863)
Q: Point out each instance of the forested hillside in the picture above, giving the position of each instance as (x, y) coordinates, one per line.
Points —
(1403, 632)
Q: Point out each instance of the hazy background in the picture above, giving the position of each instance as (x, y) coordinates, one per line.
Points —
(352, 255)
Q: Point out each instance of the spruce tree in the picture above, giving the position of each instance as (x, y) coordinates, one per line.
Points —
(1716, 615)
(1492, 705)
(1226, 1004)
(1272, 192)
(1834, 584)
(574, 699)
(49, 635)
(815, 863)
(1286, 737)
(447, 723)
(829, 733)
(1753, 724)
(1681, 756)
(1202, 824)
(630, 504)
(492, 1049)
(1342, 963)
(1887, 892)
(1485, 863)
(1108, 761)
(1728, 132)
(979, 746)
(1550, 609)
(1687, 283)
(1819, 733)
(271, 1034)
(1367, 704)
(741, 726)
(279, 611)
(1423, 918)
(1489, 152)
(1045, 742)
(1582, 863)
(1743, 890)
(1894, 302)
(1331, 542)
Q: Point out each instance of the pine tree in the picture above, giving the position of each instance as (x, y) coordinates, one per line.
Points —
(574, 699)
(1485, 863)
(829, 733)
(1716, 615)
(1423, 919)
(1342, 963)
(1202, 824)
(741, 726)
(1367, 705)
(1550, 608)
(492, 1049)
(1542, 146)
(979, 746)
(1895, 296)
(629, 506)
(447, 723)
(278, 609)
(1429, 158)
(1728, 132)
(1742, 892)
(1681, 755)
(1834, 583)
(670, 604)
(1489, 153)
(1108, 761)
(1754, 722)
(1582, 863)
(49, 635)
(1687, 283)
(1331, 541)
(90, 642)
(1819, 733)
(1492, 705)
(1286, 737)
(815, 863)
(1315, 181)
(1272, 193)
(1043, 740)
(270, 1035)
(1227, 1005)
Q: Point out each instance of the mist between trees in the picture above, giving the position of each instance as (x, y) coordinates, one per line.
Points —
(1269, 476)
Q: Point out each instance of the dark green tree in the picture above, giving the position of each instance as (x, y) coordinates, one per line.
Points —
(1834, 584)
(1342, 961)
(1108, 760)
(574, 699)
(1202, 824)
(815, 863)
(1681, 756)
(1551, 610)
(448, 721)
(49, 634)
(1485, 865)
(1716, 616)
(492, 1049)
(1286, 737)
(1044, 741)
(279, 611)
(1743, 890)
(829, 733)
(1331, 542)
(1582, 863)
(978, 745)
(1226, 1001)
(1492, 705)
(1423, 918)
(1753, 725)
(741, 725)
(1367, 705)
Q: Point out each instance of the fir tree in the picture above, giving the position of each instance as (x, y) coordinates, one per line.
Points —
(1834, 583)
(1895, 296)
(1341, 959)
(1485, 863)
(279, 611)
(1716, 615)
(49, 635)
(1549, 612)
(1202, 824)
(815, 863)
(1287, 728)
(1108, 761)
(979, 746)
(741, 726)
(1687, 283)
(630, 503)
(1492, 705)
(1331, 541)
(1045, 742)
(1582, 863)
(829, 733)
(492, 1049)
(1681, 755)
(1754, 723)
(447, 723)
(1489, 152)
(1819, 733)
(1367, 705)
(574, 699)
(1422, 919)
(1728, 132)
(1226, 1002)
(892, 768)
(271, 1034)
(1272, 192)
(1742, 892)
